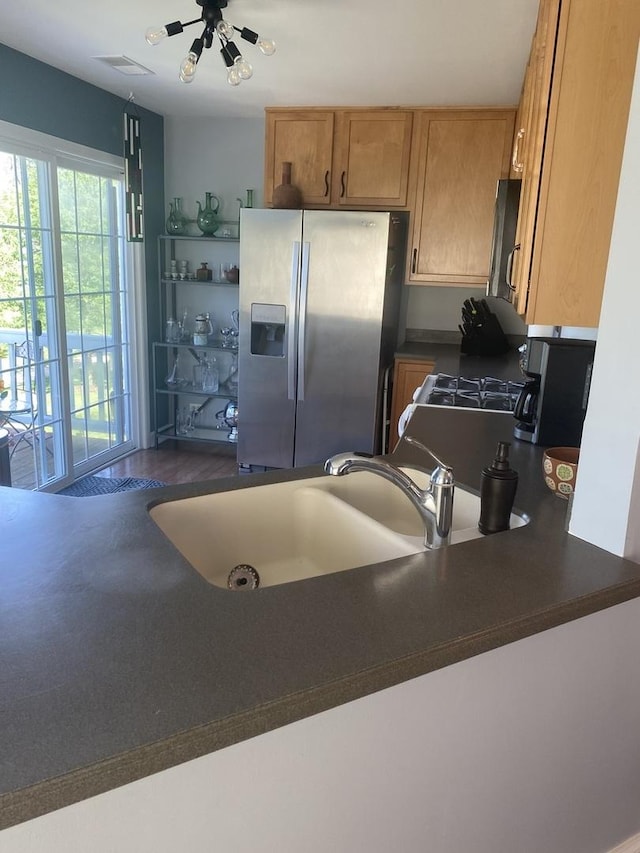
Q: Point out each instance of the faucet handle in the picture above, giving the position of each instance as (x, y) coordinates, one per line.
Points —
(446, 469)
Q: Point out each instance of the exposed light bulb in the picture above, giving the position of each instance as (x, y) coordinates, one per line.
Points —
(188, 67)
(267, 46)
(155, 34)
(233, 77)
(224, 28)
(245, 71)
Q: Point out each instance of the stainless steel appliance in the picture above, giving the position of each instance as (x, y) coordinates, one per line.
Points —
(487, 392)
(504, 238)
(553, 403)
(319, 302)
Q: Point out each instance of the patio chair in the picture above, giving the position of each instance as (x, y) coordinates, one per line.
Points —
(18, 401)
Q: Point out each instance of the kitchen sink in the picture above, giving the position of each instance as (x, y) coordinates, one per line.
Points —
(304, 528)
(384, 502)
(286, 531)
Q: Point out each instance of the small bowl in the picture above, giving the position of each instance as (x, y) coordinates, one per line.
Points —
(560, 466)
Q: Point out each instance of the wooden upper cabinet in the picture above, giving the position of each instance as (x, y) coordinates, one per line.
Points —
(571, 174)
(531, 126)
(460, 156)
(371, 157)
(351, 158)
(303, 138)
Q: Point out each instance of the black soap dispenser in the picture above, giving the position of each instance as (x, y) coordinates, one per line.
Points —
(498, 484)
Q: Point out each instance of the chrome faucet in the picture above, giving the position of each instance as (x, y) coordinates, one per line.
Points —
(435, 503)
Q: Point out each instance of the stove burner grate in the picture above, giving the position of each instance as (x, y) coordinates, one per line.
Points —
(486, 393)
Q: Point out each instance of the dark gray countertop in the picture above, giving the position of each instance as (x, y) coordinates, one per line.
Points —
(449, 359)
(118, 660)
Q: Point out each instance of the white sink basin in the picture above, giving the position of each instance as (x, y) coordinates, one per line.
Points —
(304, 528)
(286, 531)
(386, 503)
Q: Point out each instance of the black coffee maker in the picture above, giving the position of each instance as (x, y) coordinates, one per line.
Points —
(551, 407)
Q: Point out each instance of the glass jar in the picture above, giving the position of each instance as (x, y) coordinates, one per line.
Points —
(210, 376)
(202, 329)
(173, 332)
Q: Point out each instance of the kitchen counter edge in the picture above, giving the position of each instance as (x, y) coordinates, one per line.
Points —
(621, 582)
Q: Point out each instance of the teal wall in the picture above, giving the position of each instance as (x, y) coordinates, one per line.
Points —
(42, 98)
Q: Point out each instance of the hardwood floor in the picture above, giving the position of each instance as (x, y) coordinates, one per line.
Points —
(174, 466)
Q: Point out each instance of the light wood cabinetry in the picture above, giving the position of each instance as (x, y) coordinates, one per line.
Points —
(303, 138)
(529, 140)
(459, 155)
(440, 164)
(408, 374)
(580, 80)
(339, 158)
(371, 156)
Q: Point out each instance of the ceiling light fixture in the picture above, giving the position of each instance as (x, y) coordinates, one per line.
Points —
(238, 69)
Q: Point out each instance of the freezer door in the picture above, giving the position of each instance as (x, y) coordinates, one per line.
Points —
(270, 248)
(339, 332)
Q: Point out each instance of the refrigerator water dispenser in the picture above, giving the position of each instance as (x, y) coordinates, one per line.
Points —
(267, 329)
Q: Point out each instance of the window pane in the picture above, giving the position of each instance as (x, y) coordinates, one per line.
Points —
(8, 188)
(67, 200)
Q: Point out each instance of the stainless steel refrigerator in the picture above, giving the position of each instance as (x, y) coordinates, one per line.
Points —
(319, 302)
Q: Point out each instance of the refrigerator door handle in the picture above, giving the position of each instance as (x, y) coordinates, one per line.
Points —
(291, 324)
(302, 316)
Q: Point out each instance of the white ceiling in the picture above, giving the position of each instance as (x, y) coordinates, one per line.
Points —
(337, 52)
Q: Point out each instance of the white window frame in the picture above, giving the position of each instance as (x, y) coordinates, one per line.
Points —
(26, 142)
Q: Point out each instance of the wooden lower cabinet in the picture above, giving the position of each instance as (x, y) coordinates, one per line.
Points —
(408, 374)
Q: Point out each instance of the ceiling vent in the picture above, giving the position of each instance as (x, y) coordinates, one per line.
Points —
(124, 65)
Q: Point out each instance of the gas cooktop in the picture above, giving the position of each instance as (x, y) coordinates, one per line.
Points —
(488, 393)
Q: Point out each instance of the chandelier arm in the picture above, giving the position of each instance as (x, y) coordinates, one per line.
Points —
(247, 34)
(197, 47)
(207, 36)
(174, 28)
(195, 21)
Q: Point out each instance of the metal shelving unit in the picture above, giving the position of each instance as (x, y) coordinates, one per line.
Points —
(183, 411)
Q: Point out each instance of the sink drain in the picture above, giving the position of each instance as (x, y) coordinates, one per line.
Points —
(243, 576)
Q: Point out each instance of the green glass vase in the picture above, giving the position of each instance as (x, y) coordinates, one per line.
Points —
(207, 220)
(176, 221)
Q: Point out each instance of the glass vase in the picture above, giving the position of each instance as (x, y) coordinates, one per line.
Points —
(176, 221)
(208, 221)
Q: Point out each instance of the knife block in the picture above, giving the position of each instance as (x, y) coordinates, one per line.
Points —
(485, 338)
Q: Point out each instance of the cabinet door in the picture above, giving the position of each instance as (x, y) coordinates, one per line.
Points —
(371, 156)
(460, 158)
(303, 138)
(533, 113)
(588, 112)
(408, 374)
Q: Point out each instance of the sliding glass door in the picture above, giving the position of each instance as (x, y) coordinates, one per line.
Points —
(65, 377)
(30, 379)
(95, 310)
